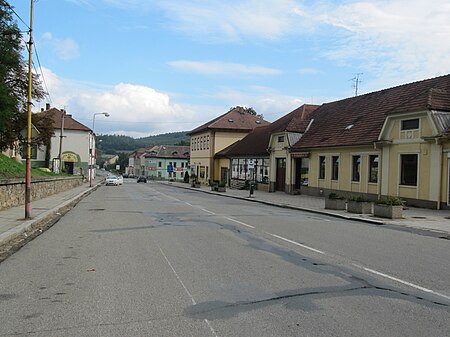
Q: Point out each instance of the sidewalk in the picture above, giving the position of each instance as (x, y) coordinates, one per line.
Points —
(15, 230)
(46, 211)
(437, 221)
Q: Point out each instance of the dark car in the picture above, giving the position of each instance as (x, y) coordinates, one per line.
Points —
(142, 179)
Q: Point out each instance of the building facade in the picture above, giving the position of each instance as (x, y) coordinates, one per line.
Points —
(394, 142)
(212, 137)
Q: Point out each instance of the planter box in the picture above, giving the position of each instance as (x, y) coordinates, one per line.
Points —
(388, 211)
(338, 204)
(359, 207)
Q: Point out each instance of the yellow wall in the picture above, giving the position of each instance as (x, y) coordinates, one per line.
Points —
(344, 182)
(433, 163)
(203, 148)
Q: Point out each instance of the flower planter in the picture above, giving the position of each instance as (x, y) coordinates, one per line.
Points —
(337, 204)
(359, 207)
(388, 211)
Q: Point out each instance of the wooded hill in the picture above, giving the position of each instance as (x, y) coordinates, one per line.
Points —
(113, 144)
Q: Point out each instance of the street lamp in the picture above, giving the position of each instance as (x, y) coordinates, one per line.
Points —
(92, 146)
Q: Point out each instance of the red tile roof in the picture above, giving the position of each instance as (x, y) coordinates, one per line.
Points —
(257, 141)
(253, 144)
(236, 119)
(358, 120)
(69, 122)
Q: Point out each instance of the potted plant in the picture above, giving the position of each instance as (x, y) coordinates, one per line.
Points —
(335, 201)
(221, 187)
(194, 182)
(359, 205)
(214, 185)
(389, 207)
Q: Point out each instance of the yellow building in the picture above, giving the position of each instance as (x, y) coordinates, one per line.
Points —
(213, 136)
(392, 142)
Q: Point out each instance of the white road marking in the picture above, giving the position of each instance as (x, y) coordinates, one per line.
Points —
(185, 288)
(296, 243)
(239, 222)
(402, 281)
(205, 210)
(323, 253)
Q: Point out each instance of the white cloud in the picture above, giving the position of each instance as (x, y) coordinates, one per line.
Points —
(266, 101)
(232, 20)
(395, 40)
(134, 109)
(65, 49)
(215, 68)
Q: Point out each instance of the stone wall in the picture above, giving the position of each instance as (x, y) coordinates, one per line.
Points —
(12, 191)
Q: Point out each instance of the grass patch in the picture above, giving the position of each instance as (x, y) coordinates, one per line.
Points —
(9, 168)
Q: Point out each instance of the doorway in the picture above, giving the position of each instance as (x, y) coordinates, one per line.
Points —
(68, 167)
(280, 184)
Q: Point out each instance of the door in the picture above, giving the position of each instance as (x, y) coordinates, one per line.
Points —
(224, 175)
(280, 183)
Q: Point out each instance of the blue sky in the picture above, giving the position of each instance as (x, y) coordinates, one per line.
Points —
(166, 66)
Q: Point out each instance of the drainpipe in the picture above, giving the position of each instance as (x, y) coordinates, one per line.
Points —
(438, 206)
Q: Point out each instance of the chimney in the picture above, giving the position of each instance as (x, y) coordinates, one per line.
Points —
(47, 106)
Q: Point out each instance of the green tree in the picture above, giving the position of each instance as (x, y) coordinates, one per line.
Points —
(13, 79)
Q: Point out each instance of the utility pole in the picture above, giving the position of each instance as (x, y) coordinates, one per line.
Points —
(61, 136)
(29, 103)
(356, 81)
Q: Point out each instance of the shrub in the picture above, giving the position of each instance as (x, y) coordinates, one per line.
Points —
(335, 196)
(391, 200)
(358, 198)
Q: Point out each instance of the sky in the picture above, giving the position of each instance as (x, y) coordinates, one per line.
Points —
(158, 66)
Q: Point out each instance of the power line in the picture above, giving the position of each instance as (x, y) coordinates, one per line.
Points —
(42, 74)
(18, 16)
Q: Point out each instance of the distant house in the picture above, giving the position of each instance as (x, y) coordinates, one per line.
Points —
(390, 142)
(167, 162)
(72, 142)
(212, 137)
(136, 162)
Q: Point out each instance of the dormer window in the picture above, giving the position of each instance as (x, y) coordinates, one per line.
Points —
(280, 139)
(410, 124)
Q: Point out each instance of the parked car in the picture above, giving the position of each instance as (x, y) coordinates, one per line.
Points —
(142, 179)
(120, 180)
(112, 180)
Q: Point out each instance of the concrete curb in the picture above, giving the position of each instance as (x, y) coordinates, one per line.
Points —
(310, 210)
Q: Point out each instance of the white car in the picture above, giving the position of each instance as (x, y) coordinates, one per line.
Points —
(112, 180)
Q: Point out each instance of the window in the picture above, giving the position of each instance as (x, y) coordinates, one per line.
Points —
(410, 124)
(321, 167)
(174, 164)
(335, 167)
(408, 174)
(373, 168)
(160, 164)
(356, 166)
(34, 150)
(280, 139)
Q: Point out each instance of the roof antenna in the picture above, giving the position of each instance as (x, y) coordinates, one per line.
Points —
(356, 81)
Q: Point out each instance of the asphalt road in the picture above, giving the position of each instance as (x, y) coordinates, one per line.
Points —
(156, 260)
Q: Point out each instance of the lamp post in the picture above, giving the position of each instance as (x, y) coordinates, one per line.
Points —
(92, 146)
